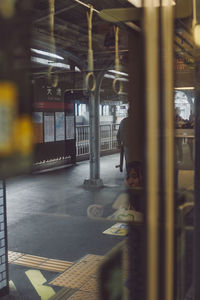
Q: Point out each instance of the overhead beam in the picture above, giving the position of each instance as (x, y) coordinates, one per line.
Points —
(116, 15)
(46, 16)
(183, 9)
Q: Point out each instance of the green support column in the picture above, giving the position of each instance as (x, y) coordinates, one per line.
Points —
(94, 101)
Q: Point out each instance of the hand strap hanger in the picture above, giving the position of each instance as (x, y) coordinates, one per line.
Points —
(52, 79)
(90, 77)
(117, 84)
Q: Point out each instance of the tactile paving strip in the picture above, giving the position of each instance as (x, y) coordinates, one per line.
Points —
(55, 265)
(30, 260)
(90, 286)
(62, 294)
(13, 256)
(79, 273)
(39, 262)
(80, 295)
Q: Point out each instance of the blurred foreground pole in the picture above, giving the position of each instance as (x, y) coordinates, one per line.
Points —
(197, 187)
(160, 205)
(16, 134)
(196, 31)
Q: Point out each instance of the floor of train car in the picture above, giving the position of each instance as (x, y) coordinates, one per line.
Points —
(50, 233)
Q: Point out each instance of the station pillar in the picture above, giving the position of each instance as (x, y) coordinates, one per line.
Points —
(94, 122)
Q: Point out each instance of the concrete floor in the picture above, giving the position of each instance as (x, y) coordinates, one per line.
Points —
(47, 217)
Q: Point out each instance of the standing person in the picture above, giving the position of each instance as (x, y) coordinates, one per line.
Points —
(191, 140)
(123, 137)
(179, 122)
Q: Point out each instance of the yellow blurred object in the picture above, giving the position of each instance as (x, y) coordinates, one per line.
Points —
(7, 8)
(24, 135)
(8, 113)
(196, 34)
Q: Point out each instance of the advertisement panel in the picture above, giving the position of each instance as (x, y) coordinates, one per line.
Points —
(60, 126)
(70, 132)
(38, 126)
(49, 127)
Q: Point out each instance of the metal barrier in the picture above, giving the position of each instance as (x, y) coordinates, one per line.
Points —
(108, 140)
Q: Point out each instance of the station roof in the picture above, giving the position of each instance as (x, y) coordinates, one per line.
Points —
(71, 36)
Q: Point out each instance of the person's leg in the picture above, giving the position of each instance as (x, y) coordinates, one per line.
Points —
(190, 144)
(179, 149)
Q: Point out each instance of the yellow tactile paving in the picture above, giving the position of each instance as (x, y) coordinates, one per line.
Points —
(56, 265)
(63, 293)
(90, 286)
(38, 262)
(80, 295)
(92, 257)
(79, 273)
(29, 260)
(14, 255)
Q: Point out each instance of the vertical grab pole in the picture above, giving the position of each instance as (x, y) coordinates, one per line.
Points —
(168, 142)
(151, 23)
(196, 32)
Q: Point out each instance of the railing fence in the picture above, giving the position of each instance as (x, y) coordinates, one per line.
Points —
(108, 140)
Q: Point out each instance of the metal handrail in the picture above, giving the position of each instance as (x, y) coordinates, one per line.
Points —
(108, 140)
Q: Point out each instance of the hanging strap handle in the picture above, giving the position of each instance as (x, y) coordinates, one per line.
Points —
(52, 79)
(90, 77)
(90, 51)
(116, 31)
(117, 84)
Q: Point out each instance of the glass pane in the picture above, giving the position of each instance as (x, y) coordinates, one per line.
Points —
(184, 109)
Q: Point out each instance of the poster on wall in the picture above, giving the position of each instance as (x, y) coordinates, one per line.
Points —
(70, 134)
(60, 126)
(48, 127)
(38, 126)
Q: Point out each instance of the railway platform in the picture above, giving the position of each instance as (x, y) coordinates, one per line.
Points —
(49, 230)
(54, 248)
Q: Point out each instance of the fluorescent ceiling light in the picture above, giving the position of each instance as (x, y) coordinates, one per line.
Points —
(50, 63)
(196, 34)
(118, 72)
(109, 76)
(77, 69)
(138, 3)
(122, 79)
(185, 88)
(114, 77)
(46, 53)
